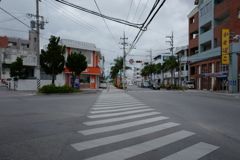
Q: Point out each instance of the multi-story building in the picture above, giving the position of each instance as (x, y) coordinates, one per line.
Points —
(181, 73)
(89, 78)
(206, 22)
(137, 75)
(160, 77)
(12, 47)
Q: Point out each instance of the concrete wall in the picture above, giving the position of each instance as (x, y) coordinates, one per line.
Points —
(31, 85)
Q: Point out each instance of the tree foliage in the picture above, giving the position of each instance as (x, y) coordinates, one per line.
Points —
(118, 65)
(17, 70)
(76, 63)
(52, 60)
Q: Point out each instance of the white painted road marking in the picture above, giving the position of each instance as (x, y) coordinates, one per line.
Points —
(121, 126)
(116, 106)
(121, 137)
(117, 110)
(119, 119)
(193, 153)
(143, 147)
(118, 114)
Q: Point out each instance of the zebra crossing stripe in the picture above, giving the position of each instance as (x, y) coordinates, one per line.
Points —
(121, 137)
(135, 150)
(114, 103)
(118, 114)
(193, 153)
(117, 110)
(121, 126)
(110, 105)
(119, 119)
(99, 108)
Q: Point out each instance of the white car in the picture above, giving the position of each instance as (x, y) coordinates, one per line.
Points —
(103, 84)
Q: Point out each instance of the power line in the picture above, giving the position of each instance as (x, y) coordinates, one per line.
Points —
(128, 13)
(135, 14)
(15, 18)
(100, 15)
(98, 32)
(106, 23)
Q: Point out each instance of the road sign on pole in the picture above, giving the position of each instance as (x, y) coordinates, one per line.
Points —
(131, 61)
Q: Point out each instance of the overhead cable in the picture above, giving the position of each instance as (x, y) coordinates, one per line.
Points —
(101, 15)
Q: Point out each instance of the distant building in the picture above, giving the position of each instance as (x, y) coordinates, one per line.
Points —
(162, 77)
(12, 47)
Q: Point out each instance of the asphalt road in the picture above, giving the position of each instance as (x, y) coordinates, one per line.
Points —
(137, 124)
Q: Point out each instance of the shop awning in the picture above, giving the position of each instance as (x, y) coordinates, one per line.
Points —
(222, 76)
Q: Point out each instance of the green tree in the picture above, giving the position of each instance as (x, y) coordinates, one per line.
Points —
(170, 65)
(76, 63)
(118, 65)
(17, 70)
(159, 69)
(52, 60)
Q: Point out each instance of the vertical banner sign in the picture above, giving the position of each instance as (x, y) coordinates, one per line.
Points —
(225, 46)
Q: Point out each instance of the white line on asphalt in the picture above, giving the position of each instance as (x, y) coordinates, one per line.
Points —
(116, 103)
(121, 137)
(120, 104)
(98, 108)
(118, 114)
(121, 126)
(193, 153)
(143, 147)
(118, 110)
(119, 119)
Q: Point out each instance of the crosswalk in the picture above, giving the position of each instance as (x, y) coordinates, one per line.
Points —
(110, 116)
(155, 91)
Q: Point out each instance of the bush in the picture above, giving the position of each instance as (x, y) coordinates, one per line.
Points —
(57, 89)
(162, 86)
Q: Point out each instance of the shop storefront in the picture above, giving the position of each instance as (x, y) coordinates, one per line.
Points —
(88, 79)
(218, 80)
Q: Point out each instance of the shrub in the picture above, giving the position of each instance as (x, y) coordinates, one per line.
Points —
(57, 89)
(162, 86)
(183, 87)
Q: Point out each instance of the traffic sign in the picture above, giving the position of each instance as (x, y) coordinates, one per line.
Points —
(131, 61)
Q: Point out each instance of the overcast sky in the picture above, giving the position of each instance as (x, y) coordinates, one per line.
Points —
(70, 23)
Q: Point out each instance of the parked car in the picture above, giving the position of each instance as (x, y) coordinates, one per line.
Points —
(103, 84)
(190, 84)
(154, 85)
(144, 85)
(139, 84)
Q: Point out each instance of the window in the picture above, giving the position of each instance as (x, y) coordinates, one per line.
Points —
(87, 54)
(84, 79)
(12, 44)
(204, 83)
(7, 56)
(207, 8)
(204, 68)
(238, 12)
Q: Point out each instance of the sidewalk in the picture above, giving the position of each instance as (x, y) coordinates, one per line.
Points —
(112, 88)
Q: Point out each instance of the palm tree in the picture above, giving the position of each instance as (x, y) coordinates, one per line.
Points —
(118, 65)
(170, 65)
(159, 69)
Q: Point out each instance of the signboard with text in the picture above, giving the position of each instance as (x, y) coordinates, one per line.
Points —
(225, 46)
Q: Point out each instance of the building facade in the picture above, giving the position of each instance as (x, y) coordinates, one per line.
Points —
(90, 78)
(13, 47)
(206, 22)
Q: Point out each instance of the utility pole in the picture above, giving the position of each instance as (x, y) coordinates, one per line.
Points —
(179, 71)
(171, 43)
(38, 41)
(171, 49)
(124, 56)
(150, 51)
